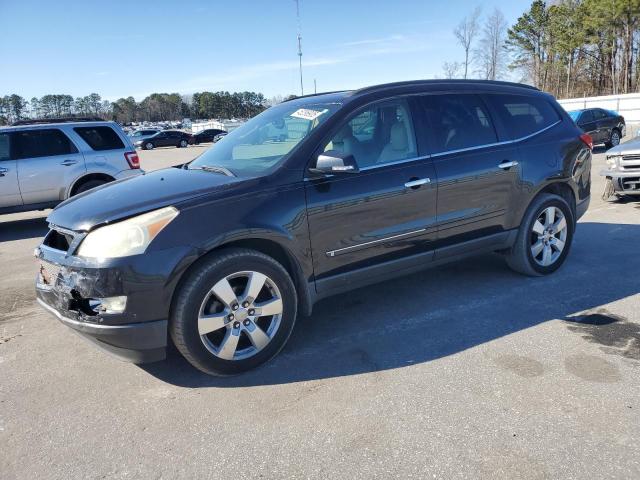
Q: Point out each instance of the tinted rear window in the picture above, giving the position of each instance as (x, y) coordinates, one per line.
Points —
(458, 122)
(523, 115)
(100, 138)
(41, 143)
(4, 146)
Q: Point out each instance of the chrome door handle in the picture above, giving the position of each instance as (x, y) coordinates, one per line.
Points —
(417, 183)
(507, 165)
(67, 163)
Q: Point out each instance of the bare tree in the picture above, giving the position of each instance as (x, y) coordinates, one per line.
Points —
(452, 69)
(491, 54)
(466, 32)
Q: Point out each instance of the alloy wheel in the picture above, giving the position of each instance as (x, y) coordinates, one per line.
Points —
(615, 138)
(548, 236)
(240, 315)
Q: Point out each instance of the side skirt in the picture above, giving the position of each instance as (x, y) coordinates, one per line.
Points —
(343, 282)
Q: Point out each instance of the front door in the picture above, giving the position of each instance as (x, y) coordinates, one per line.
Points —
(48, 162)
(384, 212)
(9, 189)
(477, 176)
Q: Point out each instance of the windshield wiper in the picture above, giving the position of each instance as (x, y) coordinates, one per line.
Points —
(215, 169)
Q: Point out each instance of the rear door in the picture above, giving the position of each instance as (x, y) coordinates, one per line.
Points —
(384, 212)
(48, 162)
(604, 124)
(477, 174)
(103, 145)
(588, 124)
(9, 189)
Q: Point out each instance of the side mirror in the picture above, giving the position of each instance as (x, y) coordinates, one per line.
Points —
(333, 162)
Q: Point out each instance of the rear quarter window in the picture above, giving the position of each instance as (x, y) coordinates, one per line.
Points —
(524, 115)
(100, 138)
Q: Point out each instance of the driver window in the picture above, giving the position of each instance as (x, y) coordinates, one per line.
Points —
(381, 133)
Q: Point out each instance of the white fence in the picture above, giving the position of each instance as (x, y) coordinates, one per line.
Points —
(198, 127)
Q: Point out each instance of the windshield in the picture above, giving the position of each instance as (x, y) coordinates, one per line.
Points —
(262, 142)
(575, 114)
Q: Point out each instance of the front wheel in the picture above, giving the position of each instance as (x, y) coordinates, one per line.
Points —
(235, 311)
(149, 146)
(544, 237)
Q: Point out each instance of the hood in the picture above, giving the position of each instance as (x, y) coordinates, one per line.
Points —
(630, 146)
(143, 193)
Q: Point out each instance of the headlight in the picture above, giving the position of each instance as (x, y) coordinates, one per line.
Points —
(612, 161)
(128, 237)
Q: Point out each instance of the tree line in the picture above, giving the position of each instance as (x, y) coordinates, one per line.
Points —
(570, 48)
(155, 107)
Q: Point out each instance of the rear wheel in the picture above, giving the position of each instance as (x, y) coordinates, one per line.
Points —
(614, 139)
(234, 312)
(183, 144)
(544, 237)
(88, 185)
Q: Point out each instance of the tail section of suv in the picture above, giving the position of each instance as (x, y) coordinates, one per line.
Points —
(43, 164)
(313, 197)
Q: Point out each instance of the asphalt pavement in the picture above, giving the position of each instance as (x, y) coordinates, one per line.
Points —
(464, 371)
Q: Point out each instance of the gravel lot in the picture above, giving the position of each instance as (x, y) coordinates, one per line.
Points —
(464, 371)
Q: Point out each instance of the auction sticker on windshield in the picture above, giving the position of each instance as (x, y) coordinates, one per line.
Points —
(307, 113)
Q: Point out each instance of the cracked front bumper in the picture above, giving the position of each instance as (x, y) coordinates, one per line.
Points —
(624, 182)
(66, 284)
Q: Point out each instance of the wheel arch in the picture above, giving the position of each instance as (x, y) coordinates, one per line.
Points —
(271, 248)
(86, 178)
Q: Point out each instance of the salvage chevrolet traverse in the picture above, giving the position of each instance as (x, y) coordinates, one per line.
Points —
(312, 197)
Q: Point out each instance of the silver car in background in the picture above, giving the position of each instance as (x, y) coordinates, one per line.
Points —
(44, 163)
(142, 134)
(623, 169)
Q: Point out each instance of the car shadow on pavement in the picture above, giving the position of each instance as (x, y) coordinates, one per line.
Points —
(22, 229)
(438, 312)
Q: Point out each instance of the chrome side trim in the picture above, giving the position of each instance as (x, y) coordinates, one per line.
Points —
(333, 253)
(496, 144)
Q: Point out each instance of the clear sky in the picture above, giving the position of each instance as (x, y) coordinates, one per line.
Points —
(119, 48)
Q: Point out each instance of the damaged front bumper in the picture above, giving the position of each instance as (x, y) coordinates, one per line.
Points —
(624, 182)
(70, 288)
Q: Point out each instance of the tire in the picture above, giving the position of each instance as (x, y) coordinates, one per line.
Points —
(88, 185)
(183, 144)
(614, 139)
(232, 345)
(149, 146)
(521, 258)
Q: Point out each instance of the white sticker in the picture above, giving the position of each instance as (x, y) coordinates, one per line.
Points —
(307, 114)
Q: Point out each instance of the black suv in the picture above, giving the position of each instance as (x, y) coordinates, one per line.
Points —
(313, 197)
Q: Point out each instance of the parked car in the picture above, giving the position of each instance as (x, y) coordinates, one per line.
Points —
(141, 135)
(219, 137)
(604, 126)
(623, 170)
(165, 138)
(205, 136)
(44, 162)
(313, 197)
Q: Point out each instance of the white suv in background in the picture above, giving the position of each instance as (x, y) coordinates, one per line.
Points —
(45, 162)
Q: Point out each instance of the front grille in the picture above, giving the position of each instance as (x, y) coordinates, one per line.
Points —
(59, 239)
(630, 161)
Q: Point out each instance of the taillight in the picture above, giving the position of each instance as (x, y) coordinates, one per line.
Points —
(588, 141)
(132, 159)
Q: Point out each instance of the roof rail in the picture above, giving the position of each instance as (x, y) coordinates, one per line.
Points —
(57, 120)
(385, 86)
(313, 95)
